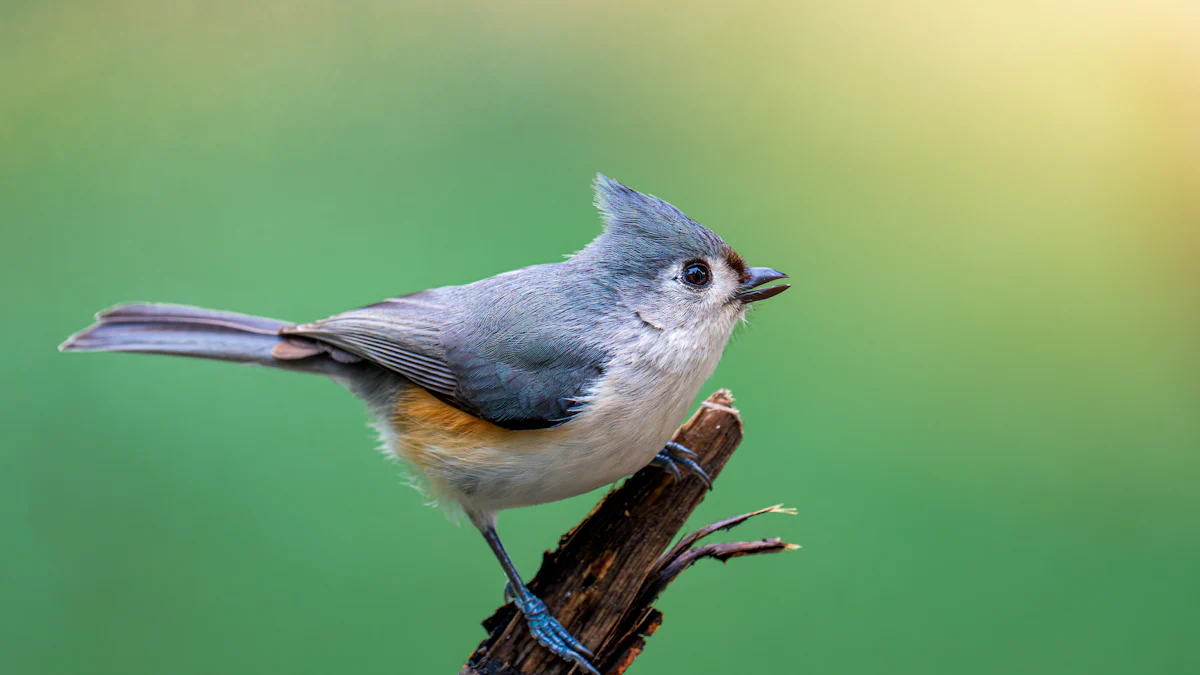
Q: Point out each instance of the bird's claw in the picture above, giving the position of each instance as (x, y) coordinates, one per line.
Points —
(548, 631)
(675, 454)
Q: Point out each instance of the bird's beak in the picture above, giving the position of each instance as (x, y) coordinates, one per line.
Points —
(757, 276)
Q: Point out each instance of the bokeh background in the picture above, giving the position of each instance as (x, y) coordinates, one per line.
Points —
(982, 394)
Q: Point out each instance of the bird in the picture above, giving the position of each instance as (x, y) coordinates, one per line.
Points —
(524, 388)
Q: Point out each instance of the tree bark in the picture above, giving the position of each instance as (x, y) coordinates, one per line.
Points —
(602, 580)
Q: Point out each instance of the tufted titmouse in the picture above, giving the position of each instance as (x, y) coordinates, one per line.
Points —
(527, 387)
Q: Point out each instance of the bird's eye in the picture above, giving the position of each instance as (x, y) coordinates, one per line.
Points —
(696, 273)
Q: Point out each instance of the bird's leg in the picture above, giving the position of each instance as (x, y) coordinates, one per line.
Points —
(544, 628)
(676, 454)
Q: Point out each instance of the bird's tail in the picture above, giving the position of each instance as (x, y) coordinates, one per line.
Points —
(180, 330)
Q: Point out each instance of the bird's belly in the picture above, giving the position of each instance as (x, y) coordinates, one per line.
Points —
(485, 468)
(591, 458)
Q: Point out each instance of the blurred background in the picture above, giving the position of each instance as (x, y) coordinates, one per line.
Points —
(982, 394)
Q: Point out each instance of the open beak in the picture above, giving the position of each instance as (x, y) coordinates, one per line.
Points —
(757, 276)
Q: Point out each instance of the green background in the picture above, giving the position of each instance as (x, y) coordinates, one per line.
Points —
(982, 394)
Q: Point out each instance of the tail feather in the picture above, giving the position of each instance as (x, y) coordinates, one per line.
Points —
(181, 330)
(165, 313)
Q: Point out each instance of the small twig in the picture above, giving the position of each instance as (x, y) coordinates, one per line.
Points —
(723, 552)
(685, 542)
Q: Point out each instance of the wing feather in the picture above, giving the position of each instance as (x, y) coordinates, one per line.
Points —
(398, 335)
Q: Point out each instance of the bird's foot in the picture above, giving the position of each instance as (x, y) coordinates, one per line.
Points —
(675, 455)
(548, 631)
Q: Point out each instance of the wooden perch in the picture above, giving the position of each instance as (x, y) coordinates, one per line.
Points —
(606, 573)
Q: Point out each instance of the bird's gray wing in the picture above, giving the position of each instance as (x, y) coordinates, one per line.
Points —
(527, 346)
(401, 334)
(496, 349)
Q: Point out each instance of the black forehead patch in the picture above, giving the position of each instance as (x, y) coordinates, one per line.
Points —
(736, 263)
